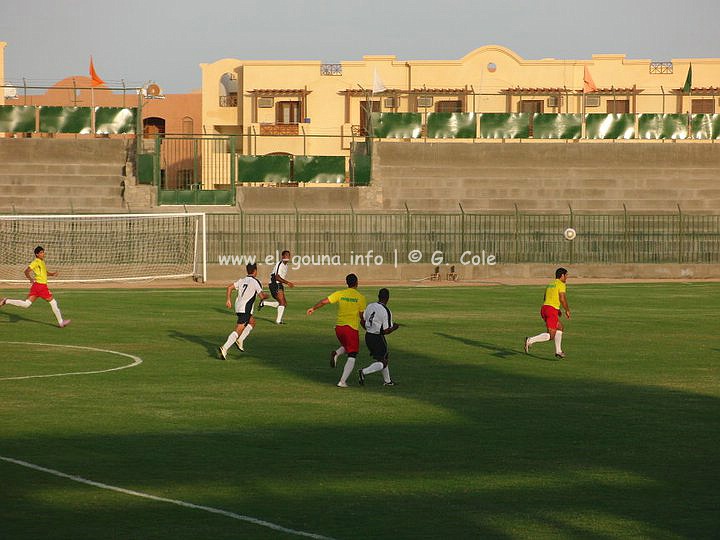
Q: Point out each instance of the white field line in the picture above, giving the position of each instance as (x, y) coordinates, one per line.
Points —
(136, 360)
(176, 502)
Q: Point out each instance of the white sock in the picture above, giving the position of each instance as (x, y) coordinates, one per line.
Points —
(372, 368)
(19, 303)
(56, 311)
(348, 369)
(386, 374)
(340, 351)
(558, 341)
(281, 310)
(230, 340)
(271, 303)
(545, 336)
(246, 331)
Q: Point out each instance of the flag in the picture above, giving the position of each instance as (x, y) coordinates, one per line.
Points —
(96, 80)
(378, 85)
(688, 81)
(588, 83)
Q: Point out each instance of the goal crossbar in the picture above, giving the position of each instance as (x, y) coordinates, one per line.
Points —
(97, 248)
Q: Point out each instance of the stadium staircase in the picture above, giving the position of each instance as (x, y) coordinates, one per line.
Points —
(62, 176)
(590, 177)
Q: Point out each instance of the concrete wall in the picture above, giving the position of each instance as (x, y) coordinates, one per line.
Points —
(598, 177)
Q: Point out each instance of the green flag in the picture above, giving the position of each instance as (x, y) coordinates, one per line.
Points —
(688, 81)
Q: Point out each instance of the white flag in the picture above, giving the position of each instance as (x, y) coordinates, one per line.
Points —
(378, 85)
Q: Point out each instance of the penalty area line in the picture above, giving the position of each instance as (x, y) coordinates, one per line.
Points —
(176, 502)
(136, 360)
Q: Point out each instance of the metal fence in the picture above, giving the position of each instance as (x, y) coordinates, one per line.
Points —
(457, 237)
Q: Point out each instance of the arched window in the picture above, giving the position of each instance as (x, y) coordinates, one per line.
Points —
(187, 125)
(153, 126)
(228, 90)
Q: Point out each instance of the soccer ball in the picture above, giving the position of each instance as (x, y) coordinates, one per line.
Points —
(570, 233)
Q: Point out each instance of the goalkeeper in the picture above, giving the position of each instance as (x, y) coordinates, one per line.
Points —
(38, 274)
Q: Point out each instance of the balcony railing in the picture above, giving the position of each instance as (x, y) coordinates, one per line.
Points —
(229, 100)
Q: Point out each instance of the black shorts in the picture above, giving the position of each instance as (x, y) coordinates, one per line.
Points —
(377, 345)
(274, 287)
(243, 318)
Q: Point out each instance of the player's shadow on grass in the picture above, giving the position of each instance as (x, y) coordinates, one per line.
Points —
(498, 352)
(210, 347)
(16, 318)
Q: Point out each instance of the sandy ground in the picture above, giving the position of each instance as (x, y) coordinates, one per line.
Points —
(213, 284)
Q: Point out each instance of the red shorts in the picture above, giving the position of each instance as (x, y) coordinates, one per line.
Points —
(41, 291)
(348, 338)
(551, 316)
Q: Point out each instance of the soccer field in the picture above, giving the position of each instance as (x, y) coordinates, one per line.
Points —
(477, 440)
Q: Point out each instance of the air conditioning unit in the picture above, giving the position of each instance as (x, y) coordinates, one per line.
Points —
(592, 101)
(390, 102)
(265, 102)
(555, 101)
(425, 101)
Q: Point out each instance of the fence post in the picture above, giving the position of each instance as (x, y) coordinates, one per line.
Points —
(353, 229)
(572, 244)
(407, 228)
(242, 231)
(517, 234)
(680, 235)
(233, 169)
(297, 229)
(156, 167)
(625, 235)
(462, 229)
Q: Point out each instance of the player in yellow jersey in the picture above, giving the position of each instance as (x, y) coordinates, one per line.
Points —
(351, 305)
(38, 273)
(555, 296)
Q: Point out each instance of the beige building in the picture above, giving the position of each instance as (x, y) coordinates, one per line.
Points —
(2, 71)
(321, 108)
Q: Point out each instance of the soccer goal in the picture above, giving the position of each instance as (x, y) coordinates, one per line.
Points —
(106, 247)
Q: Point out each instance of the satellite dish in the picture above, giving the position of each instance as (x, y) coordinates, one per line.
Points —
(153, 90)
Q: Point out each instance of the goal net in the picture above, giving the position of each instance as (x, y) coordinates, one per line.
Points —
(105, 247)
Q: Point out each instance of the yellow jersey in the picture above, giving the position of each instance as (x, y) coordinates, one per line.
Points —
(552, 293)
(38, 266)
(350, 304)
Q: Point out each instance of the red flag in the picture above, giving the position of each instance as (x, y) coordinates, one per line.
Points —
(588, 83)
(96, 80)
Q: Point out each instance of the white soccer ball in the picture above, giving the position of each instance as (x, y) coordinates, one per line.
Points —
(570, 233)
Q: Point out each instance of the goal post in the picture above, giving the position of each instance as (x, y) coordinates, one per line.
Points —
(94, 248)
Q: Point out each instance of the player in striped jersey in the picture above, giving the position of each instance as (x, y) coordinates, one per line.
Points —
(248, 288)
(277, 287)
(378, 322)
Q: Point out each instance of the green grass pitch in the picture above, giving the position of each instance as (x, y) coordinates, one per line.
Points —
(478, 440)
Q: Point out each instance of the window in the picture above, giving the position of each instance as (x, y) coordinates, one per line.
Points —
(228, 90)
(153, 126)
(231, 100)
(703, 106)
(287, 112)
(531, 106)
(449, 106)
(618, 106)
(424, 101)
(592, 101)
(187, 125)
